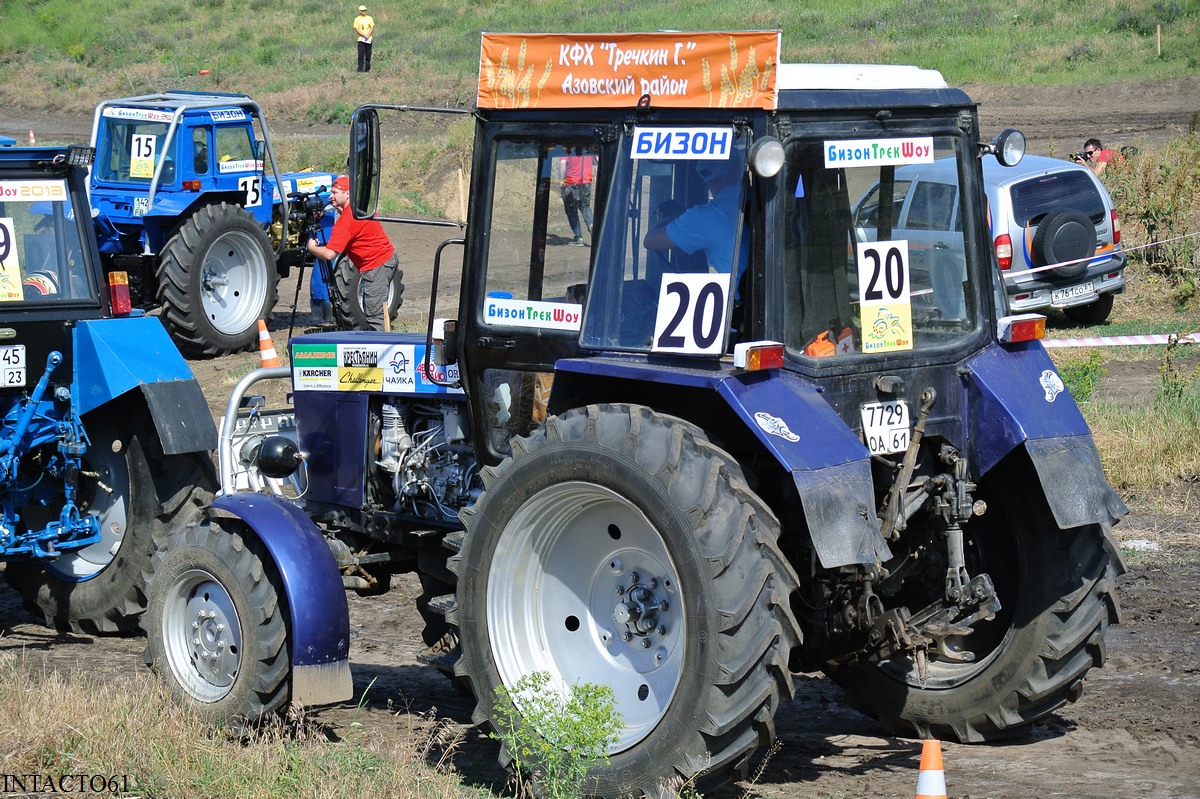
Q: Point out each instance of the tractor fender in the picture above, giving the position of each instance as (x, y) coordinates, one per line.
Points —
(320, 615)
(115, 356)
(1016, 399)
(828, 464)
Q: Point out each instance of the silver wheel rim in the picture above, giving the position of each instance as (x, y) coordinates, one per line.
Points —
(112, 510)
(583, 587)
(233, 281)
(202, 636)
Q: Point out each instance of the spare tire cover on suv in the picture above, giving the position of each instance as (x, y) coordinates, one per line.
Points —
(1064, 236)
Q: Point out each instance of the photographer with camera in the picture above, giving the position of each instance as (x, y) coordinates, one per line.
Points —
(1094, 156)
(364, 242)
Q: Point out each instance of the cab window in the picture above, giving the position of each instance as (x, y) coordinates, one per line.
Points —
(875, 257)
(41, 252)
(131, 151)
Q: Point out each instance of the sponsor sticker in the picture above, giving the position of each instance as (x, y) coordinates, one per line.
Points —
(387, 368)
(32, 190)
(774, 426)
(879, 152)
(140, 114)
(532, 313)
(240, 165)
(1052, 384)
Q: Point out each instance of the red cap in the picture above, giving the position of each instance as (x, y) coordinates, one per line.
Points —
(341, 183)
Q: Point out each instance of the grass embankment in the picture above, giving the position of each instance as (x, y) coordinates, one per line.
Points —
(297, 57)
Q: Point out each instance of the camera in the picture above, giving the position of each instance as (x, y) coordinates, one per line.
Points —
(1080, 156)
(306, 211)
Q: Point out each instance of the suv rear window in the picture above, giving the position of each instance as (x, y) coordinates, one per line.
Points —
(1034, 198)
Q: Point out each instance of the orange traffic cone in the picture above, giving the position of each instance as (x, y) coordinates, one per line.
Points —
(931, 783)
(266, 347)
(32, 138)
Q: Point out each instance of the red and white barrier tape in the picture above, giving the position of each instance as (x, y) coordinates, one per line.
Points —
(1120, 341)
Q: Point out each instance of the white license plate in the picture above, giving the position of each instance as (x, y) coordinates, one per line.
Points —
(886, 427)
(12, 365)
(141, 206)
(1073, 293)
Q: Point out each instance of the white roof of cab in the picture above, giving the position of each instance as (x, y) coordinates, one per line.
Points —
(857, 76)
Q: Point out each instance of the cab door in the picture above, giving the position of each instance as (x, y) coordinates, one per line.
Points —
(526, 275)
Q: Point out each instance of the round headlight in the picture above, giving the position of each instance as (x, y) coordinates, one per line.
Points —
(1009, 147)
(766, 157)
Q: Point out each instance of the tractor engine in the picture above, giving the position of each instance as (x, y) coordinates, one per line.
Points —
(425, 464)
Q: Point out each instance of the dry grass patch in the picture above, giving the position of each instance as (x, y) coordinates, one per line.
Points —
(57, 725)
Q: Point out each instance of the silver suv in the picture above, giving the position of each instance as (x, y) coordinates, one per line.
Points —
(1054, 230)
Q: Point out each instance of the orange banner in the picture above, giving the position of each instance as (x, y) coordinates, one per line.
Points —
(602, 70)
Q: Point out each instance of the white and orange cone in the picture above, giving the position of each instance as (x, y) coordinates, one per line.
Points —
(931, 783)
(32, 138)
(266, 346)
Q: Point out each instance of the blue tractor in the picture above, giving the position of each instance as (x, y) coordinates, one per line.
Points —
(731, 438)
(105, 436)
(190, 203)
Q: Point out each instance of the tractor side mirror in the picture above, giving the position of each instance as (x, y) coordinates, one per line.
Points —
(364, 161)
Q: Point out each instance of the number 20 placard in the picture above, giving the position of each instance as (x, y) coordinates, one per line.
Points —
(691, 314)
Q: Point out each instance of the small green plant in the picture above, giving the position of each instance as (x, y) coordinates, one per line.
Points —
(554, 734)
(1082, 375)
(1174, 382)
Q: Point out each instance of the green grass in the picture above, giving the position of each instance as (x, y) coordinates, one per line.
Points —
(296, 57)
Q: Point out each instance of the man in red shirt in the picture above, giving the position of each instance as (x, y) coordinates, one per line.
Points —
(576, 192)
(1095, 157)
(366, 245)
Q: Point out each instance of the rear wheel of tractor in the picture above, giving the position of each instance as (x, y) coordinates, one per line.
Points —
(1056, 592)
(216, 626)
(618, 547)
(102, 587)
(1094, 313)
(217, 278)
(1064, 237)
(348, 294)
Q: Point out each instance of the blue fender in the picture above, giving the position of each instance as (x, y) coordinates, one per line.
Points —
(827, 462)
(829, 465)
(114, 356)
(1016, 399)
(320, 615)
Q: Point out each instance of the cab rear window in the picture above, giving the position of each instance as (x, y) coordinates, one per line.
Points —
(1034, 198)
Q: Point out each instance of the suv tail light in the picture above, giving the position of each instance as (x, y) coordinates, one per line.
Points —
(1003, 246)
(1116, 226)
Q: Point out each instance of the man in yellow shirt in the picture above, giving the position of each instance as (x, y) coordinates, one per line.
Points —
(364, 29)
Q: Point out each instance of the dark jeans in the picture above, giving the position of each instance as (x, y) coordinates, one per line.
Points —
(577, 198)
(364, 56)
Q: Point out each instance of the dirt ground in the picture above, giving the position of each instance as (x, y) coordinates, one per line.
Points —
(1135, 731)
